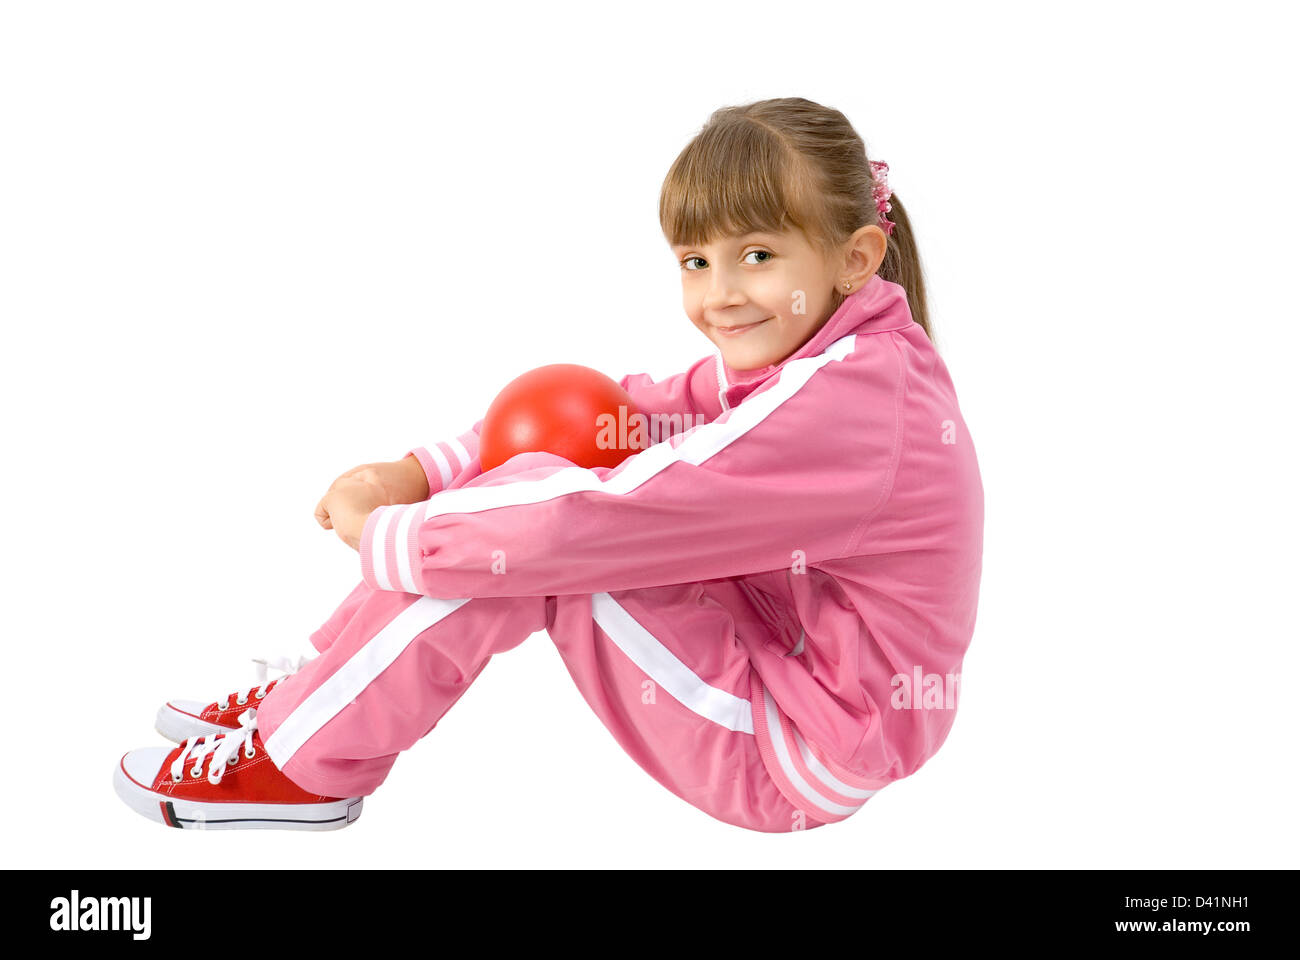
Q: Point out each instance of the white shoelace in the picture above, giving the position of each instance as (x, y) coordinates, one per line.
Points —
(258, 690)
(219, 749)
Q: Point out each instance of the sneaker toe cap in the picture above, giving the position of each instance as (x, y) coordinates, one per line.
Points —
(143, 765)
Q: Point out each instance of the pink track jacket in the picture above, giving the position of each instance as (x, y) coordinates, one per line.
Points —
(838, 489)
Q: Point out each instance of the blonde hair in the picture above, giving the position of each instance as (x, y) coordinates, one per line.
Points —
(771, 164)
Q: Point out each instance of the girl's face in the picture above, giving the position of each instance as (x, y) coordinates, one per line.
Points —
(761, 296)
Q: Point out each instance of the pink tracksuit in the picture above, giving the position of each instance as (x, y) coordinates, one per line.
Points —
(768, 608)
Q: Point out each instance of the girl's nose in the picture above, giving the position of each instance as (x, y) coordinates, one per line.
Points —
(723, 291)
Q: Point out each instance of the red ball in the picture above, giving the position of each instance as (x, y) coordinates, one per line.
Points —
(562, 408)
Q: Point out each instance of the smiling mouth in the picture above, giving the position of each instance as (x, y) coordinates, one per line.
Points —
(736, 331)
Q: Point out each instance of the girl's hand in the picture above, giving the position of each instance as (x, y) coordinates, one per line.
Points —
(347, 505)
(402, 481)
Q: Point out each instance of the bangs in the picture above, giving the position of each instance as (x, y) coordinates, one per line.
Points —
(734, 178)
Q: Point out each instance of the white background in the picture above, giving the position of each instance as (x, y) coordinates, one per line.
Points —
(246, 246)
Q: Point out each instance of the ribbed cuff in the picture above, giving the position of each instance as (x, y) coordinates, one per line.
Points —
(390, 547)
(368, 548)
(431, 471)
(444, 461)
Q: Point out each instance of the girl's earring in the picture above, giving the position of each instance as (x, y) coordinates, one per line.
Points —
(847, 285)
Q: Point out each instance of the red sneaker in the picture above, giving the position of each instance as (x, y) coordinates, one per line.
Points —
(180, 719)
(224, 782)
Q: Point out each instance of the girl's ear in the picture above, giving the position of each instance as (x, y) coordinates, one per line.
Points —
(864, 252)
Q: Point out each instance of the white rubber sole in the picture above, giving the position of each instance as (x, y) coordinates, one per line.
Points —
(197, 815)
(177, 725)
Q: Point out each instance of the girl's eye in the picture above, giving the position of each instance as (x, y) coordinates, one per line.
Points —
(686, 264)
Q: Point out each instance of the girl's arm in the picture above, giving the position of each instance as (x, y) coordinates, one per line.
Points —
(792, 475)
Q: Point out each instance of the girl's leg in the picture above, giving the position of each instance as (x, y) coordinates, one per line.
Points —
(662, 668)
(398, 664)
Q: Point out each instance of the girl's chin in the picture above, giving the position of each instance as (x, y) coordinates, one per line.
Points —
(745, 359)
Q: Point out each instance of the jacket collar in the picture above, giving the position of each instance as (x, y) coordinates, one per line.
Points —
(879, 306)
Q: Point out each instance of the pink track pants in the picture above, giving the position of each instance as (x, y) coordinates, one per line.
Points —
(662, 667)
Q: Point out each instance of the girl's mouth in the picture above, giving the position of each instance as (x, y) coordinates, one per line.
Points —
(740, 331)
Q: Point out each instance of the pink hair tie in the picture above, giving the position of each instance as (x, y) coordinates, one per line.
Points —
(881, 193)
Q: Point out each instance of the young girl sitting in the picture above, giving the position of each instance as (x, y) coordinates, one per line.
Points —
(768, 609)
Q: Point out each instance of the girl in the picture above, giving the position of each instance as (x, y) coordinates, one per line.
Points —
(768, 610)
